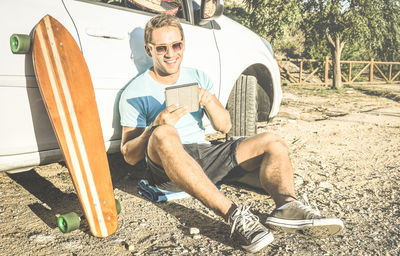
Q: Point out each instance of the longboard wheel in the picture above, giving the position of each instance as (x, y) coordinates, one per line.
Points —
(68, 222)
(20, 43)
(118, 206)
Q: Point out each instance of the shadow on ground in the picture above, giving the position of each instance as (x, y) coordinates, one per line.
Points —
(54, 201)
(372, 91)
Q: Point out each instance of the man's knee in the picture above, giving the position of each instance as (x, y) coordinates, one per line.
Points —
(273, 143)
(164, 137)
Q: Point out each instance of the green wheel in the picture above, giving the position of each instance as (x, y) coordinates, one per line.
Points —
(68, 222)
(20, 43)
(118, 206)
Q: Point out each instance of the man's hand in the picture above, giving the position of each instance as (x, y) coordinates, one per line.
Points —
(204, 97)
(170, 115)
(217, 114)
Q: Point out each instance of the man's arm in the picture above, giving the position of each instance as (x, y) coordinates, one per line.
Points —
(133, 143)
(134, 140)
(218, 115)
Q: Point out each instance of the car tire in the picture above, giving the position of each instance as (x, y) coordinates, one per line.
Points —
(242, 106)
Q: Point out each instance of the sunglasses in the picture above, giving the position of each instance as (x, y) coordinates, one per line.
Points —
(161, 49)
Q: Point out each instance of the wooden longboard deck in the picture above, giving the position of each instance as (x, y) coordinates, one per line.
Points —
(67, 90)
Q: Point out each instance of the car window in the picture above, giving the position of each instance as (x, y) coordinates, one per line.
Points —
(173, 7)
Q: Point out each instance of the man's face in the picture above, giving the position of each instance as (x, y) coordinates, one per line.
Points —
(166, 50)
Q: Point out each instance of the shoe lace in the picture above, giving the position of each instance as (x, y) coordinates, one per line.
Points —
(312, 212)
(245, 222)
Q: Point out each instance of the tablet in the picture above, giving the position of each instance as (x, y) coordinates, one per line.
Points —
(183, 95)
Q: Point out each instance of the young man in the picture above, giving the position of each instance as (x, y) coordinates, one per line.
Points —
(179, 158)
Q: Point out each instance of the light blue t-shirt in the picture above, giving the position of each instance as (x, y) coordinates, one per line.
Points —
(144, 98)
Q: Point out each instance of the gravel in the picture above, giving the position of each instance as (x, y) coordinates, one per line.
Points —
(344, 146)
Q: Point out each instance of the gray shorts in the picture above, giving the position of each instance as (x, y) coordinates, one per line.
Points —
(218, 162)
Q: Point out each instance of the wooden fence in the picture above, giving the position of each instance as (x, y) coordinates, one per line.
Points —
(319, 72)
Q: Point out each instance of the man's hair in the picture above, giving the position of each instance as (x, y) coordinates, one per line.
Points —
(160, 21)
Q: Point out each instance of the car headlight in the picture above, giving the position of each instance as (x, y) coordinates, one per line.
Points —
(268, 45)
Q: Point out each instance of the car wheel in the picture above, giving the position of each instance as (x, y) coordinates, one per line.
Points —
(242, 106)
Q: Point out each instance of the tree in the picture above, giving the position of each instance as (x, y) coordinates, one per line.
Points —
(273, 18)
(363, 25)
(381, 35)
(330, 21)
(368, 28)
(276, 21)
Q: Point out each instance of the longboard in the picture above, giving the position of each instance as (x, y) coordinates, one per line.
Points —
(67, 91)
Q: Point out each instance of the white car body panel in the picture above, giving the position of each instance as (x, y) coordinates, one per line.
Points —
(112, 43)
(21, 138)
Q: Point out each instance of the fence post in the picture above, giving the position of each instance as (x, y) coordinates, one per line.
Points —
(371, 70)
(350, 72)
(326, 66)
(301, 70)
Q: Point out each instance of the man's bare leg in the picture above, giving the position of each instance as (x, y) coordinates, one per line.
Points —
(166, 150)
(269, 153)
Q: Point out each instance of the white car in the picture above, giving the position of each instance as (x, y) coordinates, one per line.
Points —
(110, 34)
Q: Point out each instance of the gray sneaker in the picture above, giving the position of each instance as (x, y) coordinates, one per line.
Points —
(296, 217)
(247, 226)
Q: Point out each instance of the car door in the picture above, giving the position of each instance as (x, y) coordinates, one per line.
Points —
(25, 127)
(112, 41)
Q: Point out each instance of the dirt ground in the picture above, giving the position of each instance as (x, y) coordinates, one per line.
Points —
(345, 149)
